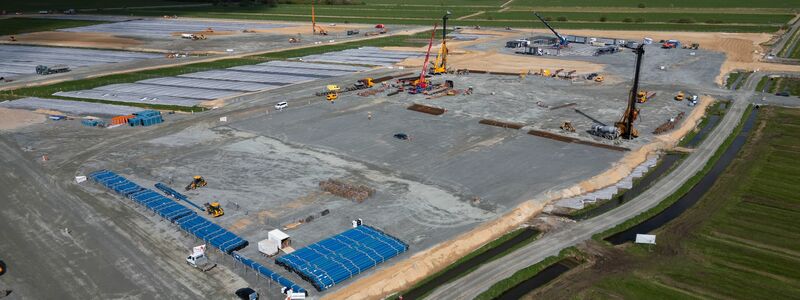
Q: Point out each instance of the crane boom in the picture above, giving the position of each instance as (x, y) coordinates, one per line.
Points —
(632, 113)
(561, 40)
(427, 58)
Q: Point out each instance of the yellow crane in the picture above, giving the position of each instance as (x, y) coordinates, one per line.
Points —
(440, 64)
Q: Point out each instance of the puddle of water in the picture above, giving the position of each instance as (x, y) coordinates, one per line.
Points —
(694, 194)
(542, 278)
(466, 266)
(640, 186)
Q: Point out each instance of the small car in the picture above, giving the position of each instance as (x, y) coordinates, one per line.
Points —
(784, 94)
(281, 105)
(401, 136)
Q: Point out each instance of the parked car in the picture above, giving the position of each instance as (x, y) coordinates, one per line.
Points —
(401, 136)
(247, 294)
(281, 105)
(784, 94)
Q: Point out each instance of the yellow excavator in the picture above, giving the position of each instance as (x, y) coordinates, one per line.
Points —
(440, 64)
(680, 96)
(332, 92)
(197, 182)
(214, 209)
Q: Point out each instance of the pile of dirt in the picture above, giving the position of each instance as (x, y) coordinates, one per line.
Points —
(76, 39)
(507, 63)
(11, 119)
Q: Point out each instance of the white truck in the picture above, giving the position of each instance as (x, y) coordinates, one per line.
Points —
(200, 261)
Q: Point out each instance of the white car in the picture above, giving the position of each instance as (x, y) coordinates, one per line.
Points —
(281, 105)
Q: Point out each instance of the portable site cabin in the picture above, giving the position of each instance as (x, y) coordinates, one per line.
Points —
(281, 237)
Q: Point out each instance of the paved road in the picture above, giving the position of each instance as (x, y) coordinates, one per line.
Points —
(476, 282)
(786, 38)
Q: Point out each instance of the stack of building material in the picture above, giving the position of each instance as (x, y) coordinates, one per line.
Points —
(359, 193)
(146, 118)
(333, 260)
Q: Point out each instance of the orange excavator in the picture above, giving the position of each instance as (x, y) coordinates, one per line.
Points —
(316, 29)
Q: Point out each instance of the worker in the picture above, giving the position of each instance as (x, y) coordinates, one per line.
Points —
(369, 115)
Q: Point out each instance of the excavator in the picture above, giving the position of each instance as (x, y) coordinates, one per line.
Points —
(440, 64)
(214, 209)
(197, 182)
(625, 124)
(332, 92)
(680, 96)
(316, 29)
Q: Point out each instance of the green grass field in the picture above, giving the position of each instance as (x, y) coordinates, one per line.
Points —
(789, 84)
(740, 241)
(517, 15)
(34, 6)
(661, 3)
(23, 25)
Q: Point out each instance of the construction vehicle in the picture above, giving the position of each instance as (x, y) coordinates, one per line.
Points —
(422, 83)
(440, 64)
(599, 78)
(200, 261)
(2, 267)
(214, 209)
(12, 39)
(294, 40)
(680, 96)
(562, 42)
(364, 83)
(625, 124)
(197, 182)
(316, 29)
(353, 32)
(47, 70)
(644, 96)
(192, 36)
(693, 46)
(567, 126)
(332, 92)
(671, 44)
(555, 74)
(544, 72)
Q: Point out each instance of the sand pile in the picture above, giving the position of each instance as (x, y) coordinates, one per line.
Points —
(16, 118)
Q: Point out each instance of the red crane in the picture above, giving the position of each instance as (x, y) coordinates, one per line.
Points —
(421, 83)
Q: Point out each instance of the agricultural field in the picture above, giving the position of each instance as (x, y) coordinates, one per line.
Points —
(517, 14)
(740, 240)
(34, 6)
(24, 25)
(788, 84)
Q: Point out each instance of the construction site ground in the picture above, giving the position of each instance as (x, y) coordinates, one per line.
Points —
(452, 176)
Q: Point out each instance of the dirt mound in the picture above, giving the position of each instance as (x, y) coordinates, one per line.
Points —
(506, 63)
(16, 118)
(76, 39)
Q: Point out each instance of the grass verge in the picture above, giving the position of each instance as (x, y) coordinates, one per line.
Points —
(24, 25)
(504, 285)
(469, 259)
(714, 109)
(682, 190)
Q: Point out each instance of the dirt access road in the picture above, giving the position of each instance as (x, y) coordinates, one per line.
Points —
(487, 275)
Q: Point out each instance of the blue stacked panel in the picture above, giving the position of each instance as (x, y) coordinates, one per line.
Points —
(268, 273)
(342, 256)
